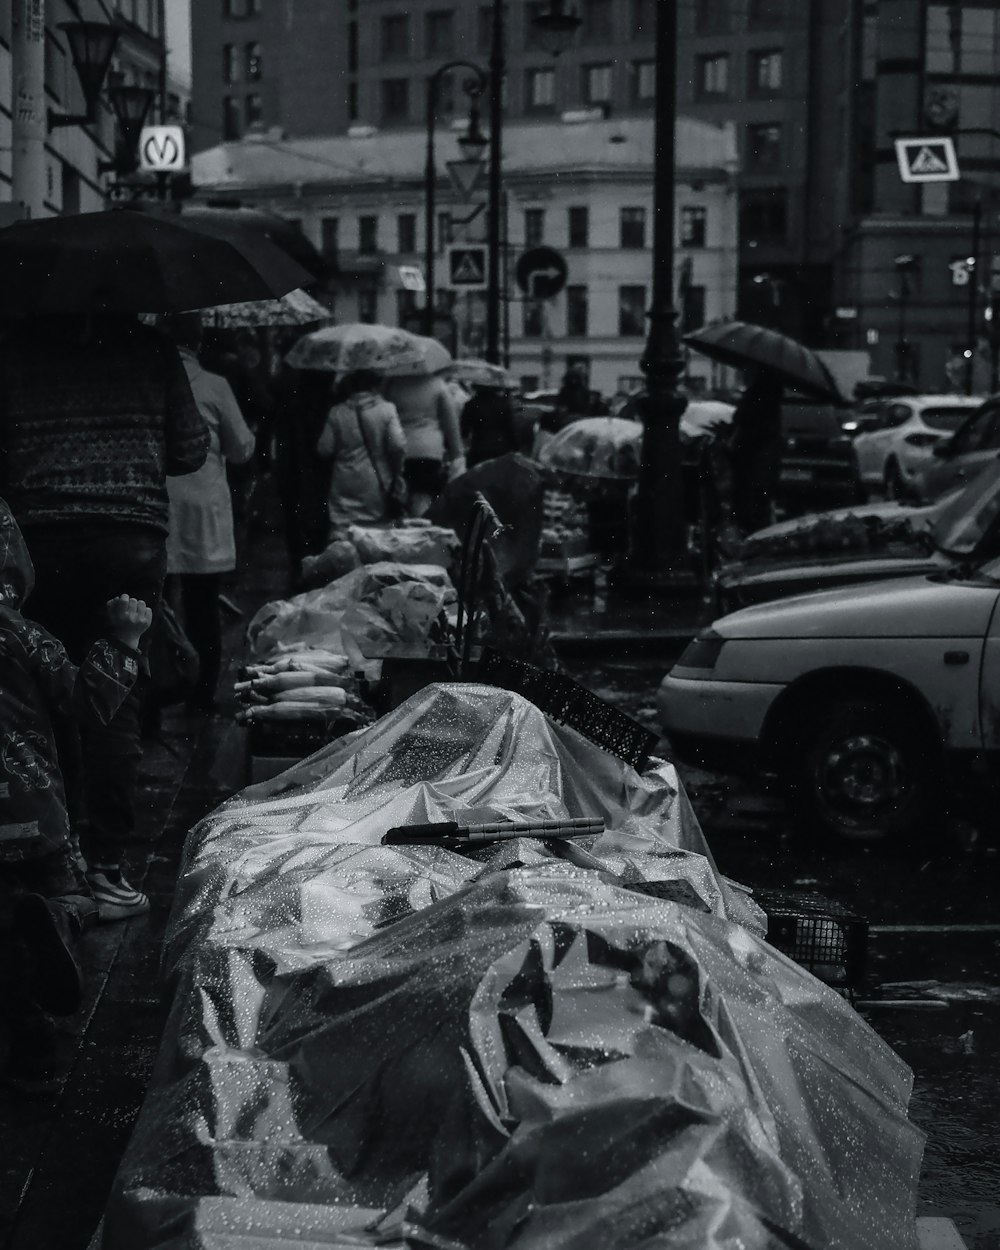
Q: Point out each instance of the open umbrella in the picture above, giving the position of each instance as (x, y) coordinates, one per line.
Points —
(297, 308)
(356, 345)
(481, 373)
(128, 262)
(434, 356)
(746, 346)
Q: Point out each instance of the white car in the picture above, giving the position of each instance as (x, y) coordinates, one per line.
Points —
(867, 701)
(892, 457)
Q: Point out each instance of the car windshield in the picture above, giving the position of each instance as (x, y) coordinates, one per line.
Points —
(947, 419)
(962, 524)
(814, 420)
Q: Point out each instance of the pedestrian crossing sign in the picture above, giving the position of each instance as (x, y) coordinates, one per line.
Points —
(467, 267)
(927, 160)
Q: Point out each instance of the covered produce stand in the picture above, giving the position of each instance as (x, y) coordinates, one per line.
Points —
(563, 1043)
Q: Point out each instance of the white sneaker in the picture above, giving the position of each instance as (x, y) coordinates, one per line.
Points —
(116, 900)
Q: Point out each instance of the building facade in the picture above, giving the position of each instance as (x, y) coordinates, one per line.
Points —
(73, 179)
(583, 188)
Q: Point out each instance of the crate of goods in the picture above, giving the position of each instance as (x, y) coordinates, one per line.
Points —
(827, 938)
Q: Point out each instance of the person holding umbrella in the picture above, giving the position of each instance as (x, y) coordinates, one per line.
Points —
(756, 444)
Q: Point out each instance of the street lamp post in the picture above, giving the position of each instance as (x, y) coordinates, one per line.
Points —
(473, 88)
(657, 556)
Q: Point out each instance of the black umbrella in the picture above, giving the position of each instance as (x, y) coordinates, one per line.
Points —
(120, 261)
(746, 346)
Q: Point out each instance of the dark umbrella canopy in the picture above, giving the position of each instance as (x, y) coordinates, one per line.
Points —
(128, 262)
(746, 346)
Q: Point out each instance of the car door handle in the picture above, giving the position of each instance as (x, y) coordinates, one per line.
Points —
(956, 657)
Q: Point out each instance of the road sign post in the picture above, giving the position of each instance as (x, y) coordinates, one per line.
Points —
(541, 272)
(467, 266)
(929, 159)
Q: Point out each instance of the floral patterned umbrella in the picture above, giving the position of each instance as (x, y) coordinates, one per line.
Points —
(297, 308)
(434, 356)
(356, 345)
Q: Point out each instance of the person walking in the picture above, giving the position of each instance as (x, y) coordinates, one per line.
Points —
(756, 445)
(45, 900)
(201, 544)
(364, 441)
(95, 413)
(489, 424)
(434, 451)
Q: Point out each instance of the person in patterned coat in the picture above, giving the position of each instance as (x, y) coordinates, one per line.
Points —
(95, 413)
(45, 900)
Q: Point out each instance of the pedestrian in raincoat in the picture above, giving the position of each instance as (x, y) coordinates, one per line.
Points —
(201, 545)
(95, 413)
(45, 899)
(364, 440)
(489, 423)
(756, 446)
(434, 453)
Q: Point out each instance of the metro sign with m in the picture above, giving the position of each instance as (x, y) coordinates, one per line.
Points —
(161, 149)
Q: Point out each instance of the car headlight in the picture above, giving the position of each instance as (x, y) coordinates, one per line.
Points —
(703, 652)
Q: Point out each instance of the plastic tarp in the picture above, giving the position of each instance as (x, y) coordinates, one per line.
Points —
(376, 610)
(367, 544)
(519, 1048)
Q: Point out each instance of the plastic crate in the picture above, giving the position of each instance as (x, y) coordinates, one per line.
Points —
(569, 703)
(825, 937)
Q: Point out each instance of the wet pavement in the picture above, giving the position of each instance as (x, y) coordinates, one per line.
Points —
(933, 947)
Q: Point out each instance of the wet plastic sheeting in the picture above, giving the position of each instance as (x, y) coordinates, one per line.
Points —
(404, 1046)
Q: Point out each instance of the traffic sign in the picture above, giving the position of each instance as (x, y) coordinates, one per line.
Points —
(467, 266)
(541, 272)
(411, 278)
(161, 149)
(927, 160)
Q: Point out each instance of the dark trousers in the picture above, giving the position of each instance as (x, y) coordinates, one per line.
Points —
(78, 568)
(197, 595)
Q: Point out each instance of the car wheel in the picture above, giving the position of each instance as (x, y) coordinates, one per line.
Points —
(865, 773)
(894, 487)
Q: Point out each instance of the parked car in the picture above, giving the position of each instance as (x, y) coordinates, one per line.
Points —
(818, 465)
(891, 456)
(863, 544)
(866, 701)
(958, 459)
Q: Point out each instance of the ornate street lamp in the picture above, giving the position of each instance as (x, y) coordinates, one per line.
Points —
(91, 45)
(130, 106)
(473, 88)
(467, 171)
(557, 27)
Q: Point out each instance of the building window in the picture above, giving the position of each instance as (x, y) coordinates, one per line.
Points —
(234, 8)
(541, 92)
(534, 318)
(439, 33)
(230, 64)
(406, 233)
(643, 81)
(693, 222)
(230, 117)
(598, 21)
(254, 109)
(367, 235)
(577, 310)
(597, 84)
(633, 228)
(253, 8)
(763, 149)
(329, 236)
(692, 308)
(579, 225)
(395, 99)
(406, 307)
(484, 29)
(254, 65)
(712, 75)
(631, 311)
(766, 13)
(765, 72)
(711, 16)
(367, 306)
(534, 227)
(643, 23)
(763, 217)
(396, 37)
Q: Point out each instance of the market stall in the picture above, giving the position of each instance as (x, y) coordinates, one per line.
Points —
(533, 1042)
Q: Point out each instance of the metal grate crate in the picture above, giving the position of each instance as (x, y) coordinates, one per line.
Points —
(825, 937)
(566, 701)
